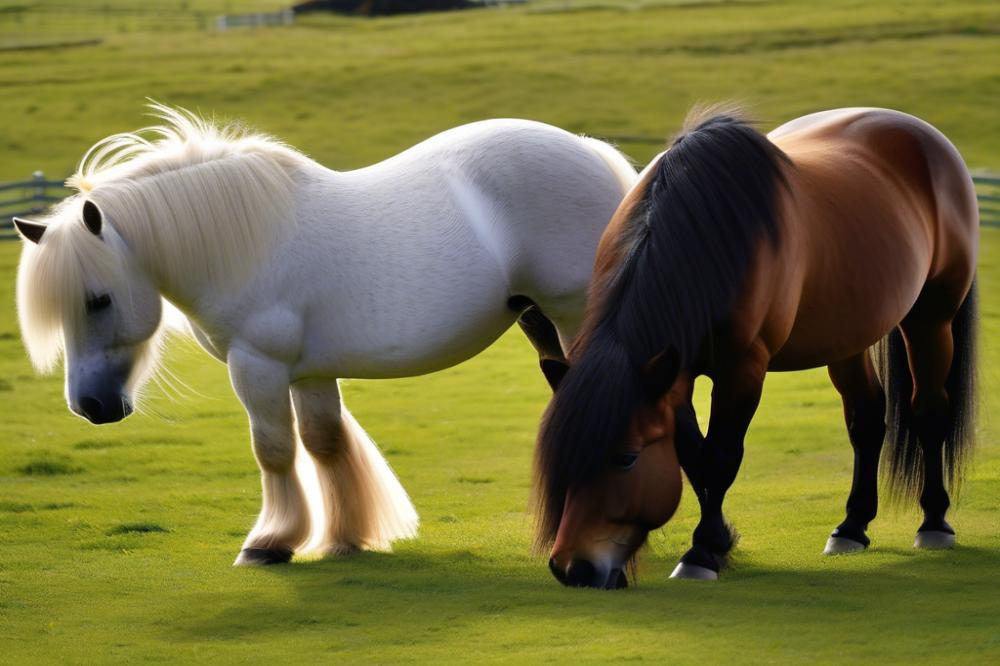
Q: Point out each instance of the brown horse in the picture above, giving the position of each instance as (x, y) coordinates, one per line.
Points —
(846, 238)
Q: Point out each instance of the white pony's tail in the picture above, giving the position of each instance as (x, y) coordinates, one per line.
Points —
(616, 161)
(365, 505)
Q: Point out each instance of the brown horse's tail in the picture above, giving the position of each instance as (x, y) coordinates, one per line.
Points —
(902, 458)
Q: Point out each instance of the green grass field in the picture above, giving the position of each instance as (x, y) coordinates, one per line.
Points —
(117, 541)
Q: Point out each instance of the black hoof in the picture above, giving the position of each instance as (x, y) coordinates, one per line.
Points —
(261, 556)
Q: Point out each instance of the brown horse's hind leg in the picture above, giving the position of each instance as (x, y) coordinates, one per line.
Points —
(930, 348)
(864, 412)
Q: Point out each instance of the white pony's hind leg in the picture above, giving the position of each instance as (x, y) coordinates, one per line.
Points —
(566, 315)
(283, 523)
(365, 506)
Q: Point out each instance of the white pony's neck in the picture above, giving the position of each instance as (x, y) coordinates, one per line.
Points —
(204, 225)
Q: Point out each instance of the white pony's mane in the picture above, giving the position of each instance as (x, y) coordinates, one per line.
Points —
(196, 202)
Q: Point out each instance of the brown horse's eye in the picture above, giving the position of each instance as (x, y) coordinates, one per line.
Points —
(626, 461)
(98, 303)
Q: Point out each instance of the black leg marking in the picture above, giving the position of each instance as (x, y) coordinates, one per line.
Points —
(864, 413)
(713, 462)
(866, 428)
(930, 348)
(931, 428)
(713, 538)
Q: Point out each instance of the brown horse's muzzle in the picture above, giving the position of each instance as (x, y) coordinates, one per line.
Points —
(604, 524)
(581, 573)
(589, 553)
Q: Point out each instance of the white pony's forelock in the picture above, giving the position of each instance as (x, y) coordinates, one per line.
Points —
(51, 296)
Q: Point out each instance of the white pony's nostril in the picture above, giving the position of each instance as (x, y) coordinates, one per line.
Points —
(91, 408)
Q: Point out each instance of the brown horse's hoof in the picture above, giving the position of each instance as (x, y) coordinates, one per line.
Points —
(933, 540)
(694, 572)
(842, 545)
(249, 557)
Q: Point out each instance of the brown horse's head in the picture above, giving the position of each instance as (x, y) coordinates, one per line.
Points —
(597, 510)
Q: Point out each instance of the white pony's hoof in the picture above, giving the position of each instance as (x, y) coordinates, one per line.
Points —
(842, 546)
(932, 540)
(694, 572)
(341, 550)
(252, 557)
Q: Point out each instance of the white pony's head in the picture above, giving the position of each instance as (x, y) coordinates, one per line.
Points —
(79, 295)
(183, 209)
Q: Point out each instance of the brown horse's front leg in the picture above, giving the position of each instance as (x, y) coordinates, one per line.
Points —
(735, 395)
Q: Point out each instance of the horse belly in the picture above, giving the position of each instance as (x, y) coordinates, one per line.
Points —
(821, 338)
(860, 298)
(426, 346)
(412, 318)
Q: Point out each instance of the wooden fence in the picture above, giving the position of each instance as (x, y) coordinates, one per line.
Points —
(26, 198)
(34, 196)
(256, 20)
(988, 194)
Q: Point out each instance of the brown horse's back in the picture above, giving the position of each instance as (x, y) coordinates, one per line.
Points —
(881, 210)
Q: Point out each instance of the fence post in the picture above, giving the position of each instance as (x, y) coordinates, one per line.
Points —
(39, 194)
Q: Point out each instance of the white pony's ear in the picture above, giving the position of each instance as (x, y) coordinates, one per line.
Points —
(92, 217)
(31, 231)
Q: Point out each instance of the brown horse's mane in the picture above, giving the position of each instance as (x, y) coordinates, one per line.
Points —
(667, 276)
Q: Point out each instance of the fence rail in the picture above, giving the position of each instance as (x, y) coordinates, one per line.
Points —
(988, 194)
(34, 196)
(255, 20)
(25, 198)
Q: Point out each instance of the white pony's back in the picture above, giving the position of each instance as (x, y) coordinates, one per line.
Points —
(429, 246)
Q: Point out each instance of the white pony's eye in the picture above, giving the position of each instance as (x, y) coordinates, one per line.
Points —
(98, 303)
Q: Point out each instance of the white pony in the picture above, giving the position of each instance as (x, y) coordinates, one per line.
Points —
(295, 275)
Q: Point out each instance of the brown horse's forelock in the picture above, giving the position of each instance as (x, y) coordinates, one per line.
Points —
(682, 258)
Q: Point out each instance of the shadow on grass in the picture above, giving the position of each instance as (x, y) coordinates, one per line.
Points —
(869, 599)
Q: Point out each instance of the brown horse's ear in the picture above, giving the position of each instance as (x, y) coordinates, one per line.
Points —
(92, 217)
(660, 372)
(554, 371)
(30, 231)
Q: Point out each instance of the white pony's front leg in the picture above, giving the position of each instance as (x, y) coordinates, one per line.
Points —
(365, 506)
(283, 525)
